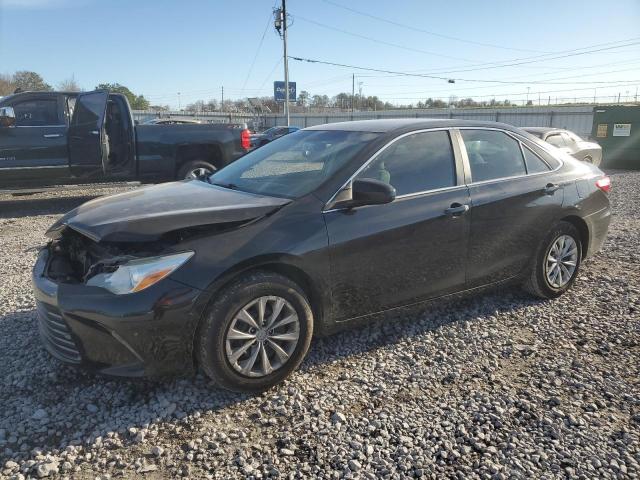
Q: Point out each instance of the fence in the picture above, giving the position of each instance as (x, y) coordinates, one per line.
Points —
(578, 119)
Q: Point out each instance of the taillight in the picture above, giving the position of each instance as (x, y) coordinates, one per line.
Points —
(604, 184)
(245, 140)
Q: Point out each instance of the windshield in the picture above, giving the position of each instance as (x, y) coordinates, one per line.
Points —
(293, 165)
(270, 130)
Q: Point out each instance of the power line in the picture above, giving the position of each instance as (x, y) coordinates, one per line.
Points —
(539, 58)
(391, 97)
(253, 62)
(381, 42)
(560, 78)
(422, 75)
(415, 29)
(270, 74)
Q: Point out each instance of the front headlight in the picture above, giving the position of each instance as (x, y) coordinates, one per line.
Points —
(138, 274)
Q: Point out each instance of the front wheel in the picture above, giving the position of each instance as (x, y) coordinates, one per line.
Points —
(556, 263)
(255, 333)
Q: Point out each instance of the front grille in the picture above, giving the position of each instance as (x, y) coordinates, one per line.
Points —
(56, 334)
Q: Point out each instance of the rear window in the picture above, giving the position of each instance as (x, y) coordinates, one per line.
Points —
(534, 163)
(492, 155)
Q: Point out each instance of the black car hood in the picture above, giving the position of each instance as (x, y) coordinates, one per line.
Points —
(147, 213)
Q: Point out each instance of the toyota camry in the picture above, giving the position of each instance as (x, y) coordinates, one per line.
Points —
(234, 273)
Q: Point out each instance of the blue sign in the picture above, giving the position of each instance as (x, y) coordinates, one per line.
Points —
(278, 91)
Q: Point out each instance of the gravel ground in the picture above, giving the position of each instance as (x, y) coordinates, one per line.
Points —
(493, 386)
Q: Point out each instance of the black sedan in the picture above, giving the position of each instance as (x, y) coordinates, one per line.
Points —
(303, 236)
(269, 135)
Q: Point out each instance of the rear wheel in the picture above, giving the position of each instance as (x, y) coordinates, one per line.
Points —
(556, 263)
(255, 333)
(195, 169)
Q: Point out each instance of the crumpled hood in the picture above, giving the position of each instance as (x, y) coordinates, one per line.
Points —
(146, 213)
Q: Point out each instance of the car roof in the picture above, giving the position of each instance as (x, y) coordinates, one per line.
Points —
(391, 124)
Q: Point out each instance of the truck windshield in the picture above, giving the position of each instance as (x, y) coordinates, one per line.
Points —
(293, 165)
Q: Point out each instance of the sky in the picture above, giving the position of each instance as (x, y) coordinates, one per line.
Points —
(159, 48)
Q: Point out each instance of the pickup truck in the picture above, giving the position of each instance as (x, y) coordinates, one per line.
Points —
(63, 138)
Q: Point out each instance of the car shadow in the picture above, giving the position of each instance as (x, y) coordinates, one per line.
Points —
(39, 382)
(23, 206)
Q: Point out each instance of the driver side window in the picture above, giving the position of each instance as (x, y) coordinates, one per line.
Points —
(415, 163)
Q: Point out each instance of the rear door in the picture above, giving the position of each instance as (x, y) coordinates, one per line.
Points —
(516, 197)
(88, 151)
(408, 250)
(34, 151)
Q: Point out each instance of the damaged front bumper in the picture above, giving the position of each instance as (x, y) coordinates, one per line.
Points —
(149, 333)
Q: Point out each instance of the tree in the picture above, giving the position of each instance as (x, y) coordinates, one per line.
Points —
(6, 85)
(196, 107)
(303, 98)
(320, 101)
(137, 102)
(69, 85)
(27, 80)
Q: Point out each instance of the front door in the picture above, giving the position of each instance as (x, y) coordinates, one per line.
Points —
(34, 150)
(408, 250)
(515, 199)
(88, 148)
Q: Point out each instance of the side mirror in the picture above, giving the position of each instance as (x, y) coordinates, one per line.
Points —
(7, 117)
(366, 191)
(136, 122)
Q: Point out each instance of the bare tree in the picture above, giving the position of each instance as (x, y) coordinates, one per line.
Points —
(69, 85)
(6, 85)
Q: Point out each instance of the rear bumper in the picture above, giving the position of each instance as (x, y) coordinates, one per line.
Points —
(149, 333)
(598, 224)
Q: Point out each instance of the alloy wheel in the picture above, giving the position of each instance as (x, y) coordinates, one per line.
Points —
(262, 336)
(561, 261)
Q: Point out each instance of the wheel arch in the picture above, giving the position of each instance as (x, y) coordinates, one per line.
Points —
(208, 152)
(284, 266)
(583, 229)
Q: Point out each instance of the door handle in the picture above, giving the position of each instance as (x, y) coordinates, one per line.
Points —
(457, 209)
(95, 132)
(550, 188)
(52, 135)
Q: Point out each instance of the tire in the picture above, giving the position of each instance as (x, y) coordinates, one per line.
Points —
(213, 346)
(538, 283)
(187, 171)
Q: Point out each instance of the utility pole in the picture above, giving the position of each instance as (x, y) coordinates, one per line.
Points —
(528, 88)
(286, 61)
(222, 98)
(178, 100)
(353, 89)
(280, 24)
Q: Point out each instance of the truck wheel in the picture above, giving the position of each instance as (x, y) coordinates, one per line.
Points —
(195, 169)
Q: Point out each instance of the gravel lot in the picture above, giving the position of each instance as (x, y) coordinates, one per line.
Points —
(493, 386)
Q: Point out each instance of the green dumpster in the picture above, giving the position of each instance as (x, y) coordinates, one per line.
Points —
(617, 129)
